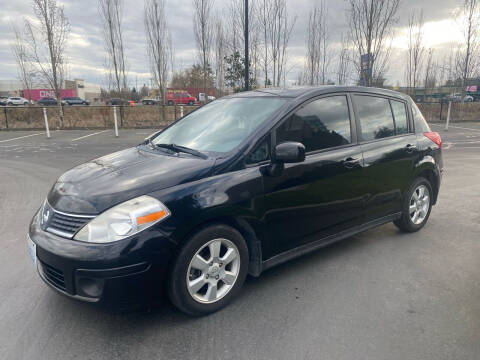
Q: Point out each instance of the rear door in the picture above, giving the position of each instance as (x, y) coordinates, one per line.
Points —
(322, 195)
(389, 150)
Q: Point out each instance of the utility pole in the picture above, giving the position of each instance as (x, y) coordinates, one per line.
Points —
(246, 48)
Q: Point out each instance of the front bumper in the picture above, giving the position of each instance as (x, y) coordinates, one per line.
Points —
(120, 273)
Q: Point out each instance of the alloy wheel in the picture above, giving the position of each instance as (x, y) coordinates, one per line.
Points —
(419, 204)
(213, 270)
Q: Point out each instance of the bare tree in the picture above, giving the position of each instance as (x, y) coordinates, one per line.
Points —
(220, 44)
(430, 73)
(25, 70)
(46, 40)
(343, 71)
(279, 29)
(204, 35)
(370, 27)
(467, 55)
(318, 56)
(111, 12)
(159, 44)
(235, 32)
(415, 51)
(263, 16)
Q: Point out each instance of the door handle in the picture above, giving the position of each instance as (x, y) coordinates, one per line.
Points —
(350, 162)
(409, 148)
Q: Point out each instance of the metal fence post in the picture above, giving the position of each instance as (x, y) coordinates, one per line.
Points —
(181, 111)
(175, 112)
(122, 109)
(115, 120)
(448, 115)
(6, 117)
(46, 122)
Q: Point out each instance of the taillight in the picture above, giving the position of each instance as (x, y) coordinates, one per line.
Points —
(435, 137)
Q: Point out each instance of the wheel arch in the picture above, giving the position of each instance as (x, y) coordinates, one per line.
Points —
(245, 229)
(429, 171)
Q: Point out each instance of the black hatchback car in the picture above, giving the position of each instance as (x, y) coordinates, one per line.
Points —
(242, 184)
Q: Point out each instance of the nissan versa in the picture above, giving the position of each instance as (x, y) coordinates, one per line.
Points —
(239, 185)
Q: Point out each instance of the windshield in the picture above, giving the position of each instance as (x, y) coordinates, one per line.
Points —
(221, 125)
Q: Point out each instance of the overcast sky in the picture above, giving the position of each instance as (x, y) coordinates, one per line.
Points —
(86, 55)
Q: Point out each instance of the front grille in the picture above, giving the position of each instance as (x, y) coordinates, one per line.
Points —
(54, 276)
(66, 225)
(60, 223)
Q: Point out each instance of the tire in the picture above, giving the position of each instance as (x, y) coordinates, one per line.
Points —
(199, 299)
(170, 103)
(190, 103)
(10, 104)
(412, 208)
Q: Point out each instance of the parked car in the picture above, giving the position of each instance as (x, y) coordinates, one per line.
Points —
(117, 101)
(149, 102)
(457, 97)
(3, 100)
(180, 98)
(74, 101)
(202, 98)
(240, 185)
(15, 100)
(47, 101)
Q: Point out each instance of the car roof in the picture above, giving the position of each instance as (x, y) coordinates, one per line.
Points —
(307, 91)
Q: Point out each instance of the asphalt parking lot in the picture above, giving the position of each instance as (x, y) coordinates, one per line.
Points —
(377, 295)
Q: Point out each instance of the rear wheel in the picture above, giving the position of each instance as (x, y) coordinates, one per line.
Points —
(416, 206)
(190, 103)
(209, 271)
(170, 102)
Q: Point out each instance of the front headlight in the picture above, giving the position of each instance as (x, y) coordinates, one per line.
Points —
(123, 220)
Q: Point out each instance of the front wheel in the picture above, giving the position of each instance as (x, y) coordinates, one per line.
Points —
(190, 103)
(416, 206)
(209, 271)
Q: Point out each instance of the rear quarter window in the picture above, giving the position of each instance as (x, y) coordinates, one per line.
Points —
(419, 121)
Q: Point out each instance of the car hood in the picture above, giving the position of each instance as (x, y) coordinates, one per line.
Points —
(99, 184)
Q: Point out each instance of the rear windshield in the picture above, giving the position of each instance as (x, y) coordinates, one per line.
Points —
(221, 125)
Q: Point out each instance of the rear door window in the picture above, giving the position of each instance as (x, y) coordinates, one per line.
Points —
(375, 115)
(320, 124)
(400, 117)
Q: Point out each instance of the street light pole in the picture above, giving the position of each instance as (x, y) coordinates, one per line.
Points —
(246, 47)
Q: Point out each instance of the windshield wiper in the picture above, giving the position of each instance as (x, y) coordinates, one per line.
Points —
(184, 149)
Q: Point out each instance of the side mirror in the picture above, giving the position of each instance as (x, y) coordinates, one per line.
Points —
(289, 152)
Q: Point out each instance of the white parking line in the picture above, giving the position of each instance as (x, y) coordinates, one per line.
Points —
(20, 137)
(458, 127)
(83, 137)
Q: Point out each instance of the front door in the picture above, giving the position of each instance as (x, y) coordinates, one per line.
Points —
(324, 194)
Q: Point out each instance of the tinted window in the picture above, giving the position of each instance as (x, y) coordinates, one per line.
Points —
(400, 116)
(421, 125)
(318, 125)
(375, 117)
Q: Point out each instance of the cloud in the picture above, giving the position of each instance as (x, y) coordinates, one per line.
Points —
(87, 56)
